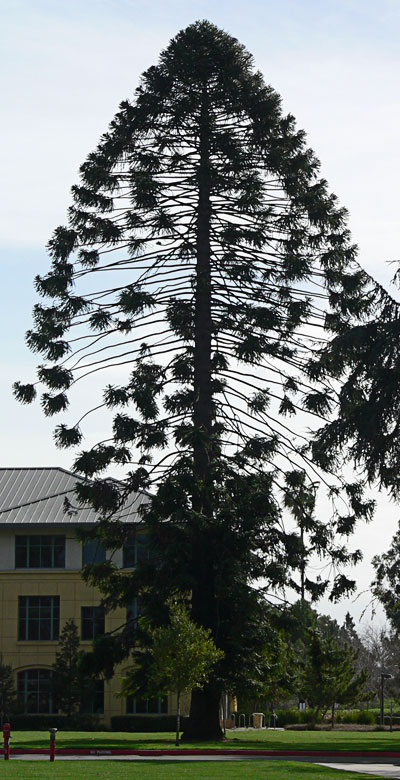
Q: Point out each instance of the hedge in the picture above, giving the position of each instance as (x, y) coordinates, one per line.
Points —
(284, 717)
(145, 723)
(293, 716)
(61, 722)
(363, 717)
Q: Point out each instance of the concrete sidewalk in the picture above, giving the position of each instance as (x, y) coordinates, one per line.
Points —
(382, 770)
(361, 765)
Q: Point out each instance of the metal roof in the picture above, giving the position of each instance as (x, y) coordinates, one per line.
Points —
(36, 496)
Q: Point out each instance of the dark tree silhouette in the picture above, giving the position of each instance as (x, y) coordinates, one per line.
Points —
(330, 675)
(229, 264)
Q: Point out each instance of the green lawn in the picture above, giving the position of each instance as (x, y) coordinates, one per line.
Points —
(171, 770)
(270, 740)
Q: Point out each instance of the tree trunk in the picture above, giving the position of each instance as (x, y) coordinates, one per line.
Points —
(204, 721)
(333, 715)
(178, 717)
(202, 405)
(315, 716)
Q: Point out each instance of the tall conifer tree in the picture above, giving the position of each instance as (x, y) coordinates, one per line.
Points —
(228, 261)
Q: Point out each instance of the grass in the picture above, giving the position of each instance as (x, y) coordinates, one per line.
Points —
(172, 770)
(269, 740)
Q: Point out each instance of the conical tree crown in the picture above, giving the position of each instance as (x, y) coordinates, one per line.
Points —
(228, 262)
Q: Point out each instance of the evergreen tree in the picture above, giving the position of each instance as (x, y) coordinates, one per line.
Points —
(8, 697)
(280, 676)
(229, 265)
(365, 359)
(67, 682)
(386, 585)
(330, 675)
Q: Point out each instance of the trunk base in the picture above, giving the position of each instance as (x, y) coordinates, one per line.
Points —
(204, 724)
(206, 735)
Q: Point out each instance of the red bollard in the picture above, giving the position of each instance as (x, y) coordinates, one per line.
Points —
(6, 737)
(52, 743)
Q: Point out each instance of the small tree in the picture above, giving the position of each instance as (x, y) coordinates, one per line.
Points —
(67, 677)
(330, 675)
(7, 691)
(183, 655)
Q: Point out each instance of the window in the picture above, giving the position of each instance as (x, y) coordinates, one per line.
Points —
(134, 610)
(34, 691)
(135, 550)
(40, 552)
(93, 552)
(146, 706)
(38, 617)
(94, 703)
(92, 622)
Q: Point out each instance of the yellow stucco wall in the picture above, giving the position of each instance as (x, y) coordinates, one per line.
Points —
(74, 593)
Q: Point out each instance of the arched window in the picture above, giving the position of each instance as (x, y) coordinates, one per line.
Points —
(34, 691)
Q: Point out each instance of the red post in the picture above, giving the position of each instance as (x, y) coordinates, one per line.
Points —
(6, 737)
(52, 743)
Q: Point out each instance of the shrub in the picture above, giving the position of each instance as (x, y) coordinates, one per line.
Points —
(363, 717)
(284, 717)
(294, 716)
(61, 722)
(145, 723)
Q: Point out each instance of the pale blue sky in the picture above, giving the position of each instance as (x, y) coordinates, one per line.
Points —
(67, 65)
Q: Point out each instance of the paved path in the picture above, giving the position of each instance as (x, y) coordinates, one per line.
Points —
(382, 770)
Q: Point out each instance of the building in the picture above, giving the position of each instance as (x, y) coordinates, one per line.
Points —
(41, 587)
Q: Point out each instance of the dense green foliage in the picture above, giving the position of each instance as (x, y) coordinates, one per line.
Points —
(230, 267)
(141, 723)
(75, 724)
(292, 667)
(386, 586)
(69, 686)
(182, 658)
(329, 676)
(8, 696)
(366, 359)
(362, 717)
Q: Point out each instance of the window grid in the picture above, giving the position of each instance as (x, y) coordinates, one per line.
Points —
(34, 691)
(134, 610)
(135, 550)
(156, 706)
(94, 702)
(92, 622)
(40, 552)
(38, 618)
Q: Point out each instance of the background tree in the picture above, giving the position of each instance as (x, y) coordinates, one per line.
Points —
(365, 359)
(381, 654)
(228, 265)
(386, 585)
(276, 678)
(8, 696)
(330, 676)
(69, 685)
(182, 656)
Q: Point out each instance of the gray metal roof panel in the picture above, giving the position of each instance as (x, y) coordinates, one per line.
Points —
(36, 496)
